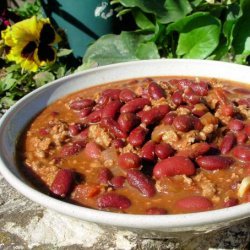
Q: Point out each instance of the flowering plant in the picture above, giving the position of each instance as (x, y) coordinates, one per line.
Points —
(32, 53)
(30, 43)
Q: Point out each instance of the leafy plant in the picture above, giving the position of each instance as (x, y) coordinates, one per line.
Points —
(15, 83)
(28, 9)
(198, 29)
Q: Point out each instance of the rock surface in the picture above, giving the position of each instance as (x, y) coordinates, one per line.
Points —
(26, 225)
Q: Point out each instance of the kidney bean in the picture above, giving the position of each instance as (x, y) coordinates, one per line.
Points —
(128, 121)
(242, 91)
(162, 109)
(73, 149)
(199, 109)
(244, 102)
(95, 116)
(195, 150)
(137, 136)
(183, 123)
(228, 109)
(147, 80)
(241, 137)
(92, 150)
(221, 96)
(129, 160)
(113, 200)
(242, 152)
(105, 175)
(155, 91)
(214, 162)
(156, 211)
(84, 134)
(113, 127)
(102, 101)
(62, 184)
(81, 104)
(117, 182)
(177, 98)
(44, 132)
(194, 204)
(85, 112)
(227, 143)
(200, 88)
(247, 129)
(111, 109)
(197, 123)
(75, 129)
(118, 143)
(148, 151)
(54, 114)
(154, 115)
(231, 202)
(199, 113)
(184, 84)
(235, 125)
(113, 94)
(190, 97)
(127, 95)
(134, 105)
(163, 150)
(176, 165)
(169, 118)
(141, 182)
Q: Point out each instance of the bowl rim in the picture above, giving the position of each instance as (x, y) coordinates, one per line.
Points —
(118, 219)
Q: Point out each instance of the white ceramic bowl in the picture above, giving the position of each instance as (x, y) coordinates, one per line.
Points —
(21, 113)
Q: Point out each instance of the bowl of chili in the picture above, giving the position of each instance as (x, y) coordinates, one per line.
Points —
(152, 145)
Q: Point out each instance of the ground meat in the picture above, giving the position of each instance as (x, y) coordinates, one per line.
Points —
(211, 100)
(161, 101)
(129, 149)
(206, 185)
(182, 111)
(207, 132)
(223, 118)
(99, 135)
(59, 132)
(243, 110)
(41, 146)
(170, 136)
(187, 139)
(45, 172)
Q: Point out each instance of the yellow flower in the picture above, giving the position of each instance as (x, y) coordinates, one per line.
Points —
(31, 42)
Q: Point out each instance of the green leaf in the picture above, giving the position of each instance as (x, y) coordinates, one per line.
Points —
(232, 15)
(243, 58)
(6, 102)
(176, 9)
(43, 77)
(27, 9)
(165, 11)
(86, 65)
(60, 72)
(147, 51)
(8, 82)
(117, 48)
(241, 34)
(64, 52)
(195, 2)
(142, 21)
(199, 35)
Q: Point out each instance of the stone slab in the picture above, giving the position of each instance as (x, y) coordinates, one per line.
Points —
(26, 225)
